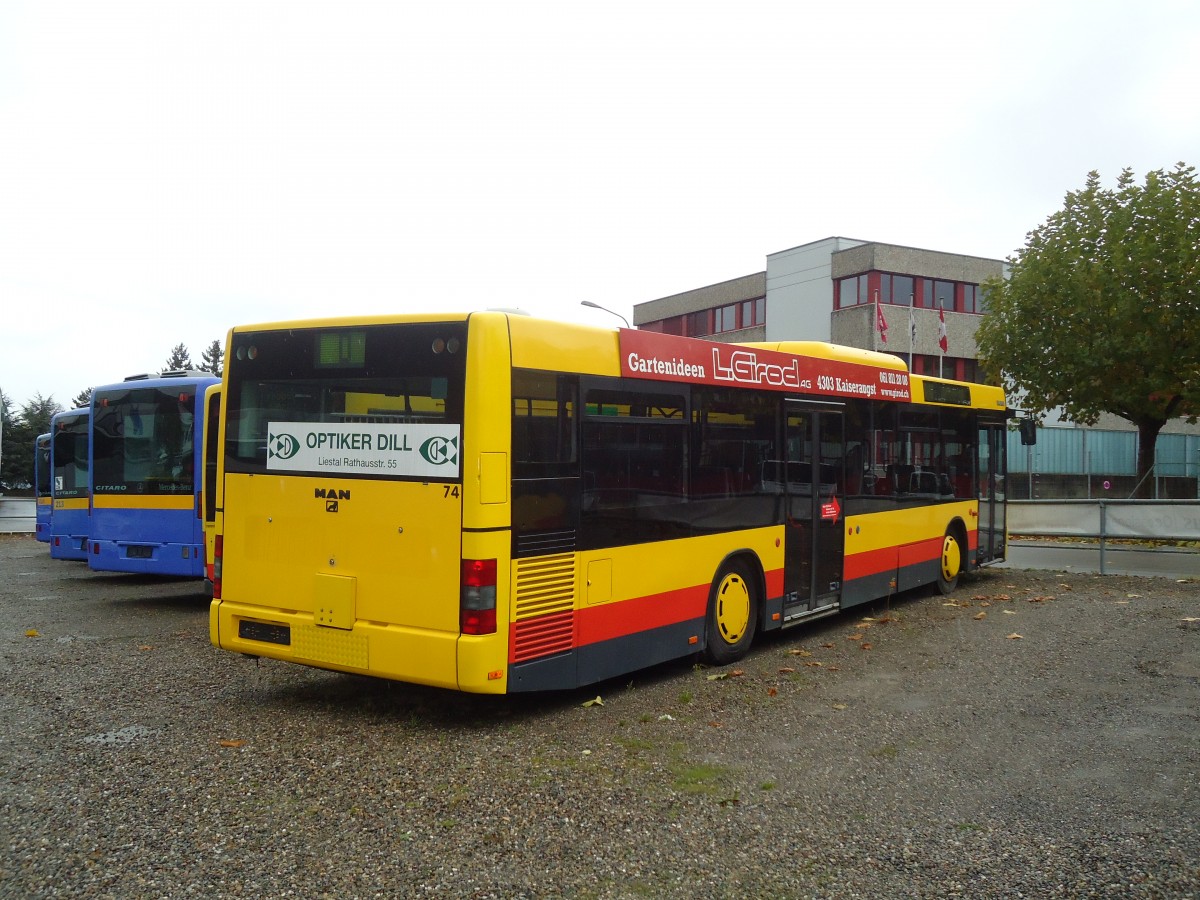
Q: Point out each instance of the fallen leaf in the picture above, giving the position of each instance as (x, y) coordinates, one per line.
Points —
(232, 743)
(950, 603)
(1002, 597)
(718, 676)
(1134, 596)
(32, 632)
(1015, 637)
(737, 673)
(1010, 612)
(666, 717)
(144, 647)
(865, 645)
(771, 692)
(829, 646)
(815, 664)
(833, 668)
(985, 603)
(714, 724)
(596, 702)
(854, 637)
(786, 670)
(1065, 587)
(798, 652)
(839, 706)
(867, 619)
(979, 615)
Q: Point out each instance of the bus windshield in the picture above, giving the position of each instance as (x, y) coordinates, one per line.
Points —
(71, 456)
(395, 379)
(143, 441)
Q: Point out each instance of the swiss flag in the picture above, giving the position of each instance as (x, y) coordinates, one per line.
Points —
(881, 322)
(942, 342)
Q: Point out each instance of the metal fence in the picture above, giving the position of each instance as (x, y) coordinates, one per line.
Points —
(1098, 464)
(1105, 520)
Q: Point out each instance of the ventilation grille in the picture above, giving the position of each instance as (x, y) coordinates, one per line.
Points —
(539, 543)
(544, 606)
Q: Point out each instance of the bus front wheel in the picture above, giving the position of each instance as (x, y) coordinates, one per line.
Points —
(732, 615)
(950, 565)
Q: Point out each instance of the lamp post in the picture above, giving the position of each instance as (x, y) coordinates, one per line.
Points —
(605, 309)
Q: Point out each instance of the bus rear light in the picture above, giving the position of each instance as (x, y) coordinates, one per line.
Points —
(218, 553)
(95, 549)
(477, 596)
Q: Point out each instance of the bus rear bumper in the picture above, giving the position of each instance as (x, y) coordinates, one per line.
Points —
(399, 653)
(184, 560)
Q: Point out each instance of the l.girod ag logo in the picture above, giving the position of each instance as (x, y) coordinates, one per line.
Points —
(440, 450)
(283, 446)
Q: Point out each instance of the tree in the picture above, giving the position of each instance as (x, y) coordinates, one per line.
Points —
(179, 359)
(1101, 311)
(212, 357)
(20, 433)
(83, 399)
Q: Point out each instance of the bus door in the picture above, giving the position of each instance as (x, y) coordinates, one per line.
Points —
(813, 498)
(992, 471)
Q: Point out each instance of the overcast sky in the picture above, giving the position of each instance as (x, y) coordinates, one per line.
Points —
(168, 169)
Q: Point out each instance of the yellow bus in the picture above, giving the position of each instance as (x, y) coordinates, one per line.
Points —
(208, 486)
(495, 503)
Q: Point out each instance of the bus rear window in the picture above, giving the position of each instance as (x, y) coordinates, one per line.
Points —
(384, 378)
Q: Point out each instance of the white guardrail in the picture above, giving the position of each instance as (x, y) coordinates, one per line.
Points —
(17, 515)
(1169, 520)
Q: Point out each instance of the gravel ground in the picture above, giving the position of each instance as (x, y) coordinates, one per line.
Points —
(1035, 735)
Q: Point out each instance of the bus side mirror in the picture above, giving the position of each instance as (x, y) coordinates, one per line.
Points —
(1028, 432)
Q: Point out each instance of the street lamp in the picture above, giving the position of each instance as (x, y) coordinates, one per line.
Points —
(605, 309)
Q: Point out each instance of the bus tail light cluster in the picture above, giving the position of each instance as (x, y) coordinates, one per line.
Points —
(218, 551)
(477, 597)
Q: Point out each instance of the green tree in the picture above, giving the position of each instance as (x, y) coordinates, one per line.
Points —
(212, 357)
(83, 399)
(1101, 311)
(179, 359)
(20, 432)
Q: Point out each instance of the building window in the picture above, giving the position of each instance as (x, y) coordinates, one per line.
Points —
(852, 291)
(673, 325)
(725, 318)
(699, 323)
(754, 312)
(943, 295)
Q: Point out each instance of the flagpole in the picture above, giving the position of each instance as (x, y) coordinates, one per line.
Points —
(912, 330)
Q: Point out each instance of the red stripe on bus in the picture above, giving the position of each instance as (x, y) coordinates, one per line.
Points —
(614, 620)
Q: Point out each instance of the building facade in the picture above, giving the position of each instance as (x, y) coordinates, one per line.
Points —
(921, 305)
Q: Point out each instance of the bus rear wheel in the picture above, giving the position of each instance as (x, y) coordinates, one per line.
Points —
(732, 615)
(950, 565)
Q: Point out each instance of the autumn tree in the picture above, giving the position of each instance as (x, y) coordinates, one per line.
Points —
(212, 357)
(1101, 309)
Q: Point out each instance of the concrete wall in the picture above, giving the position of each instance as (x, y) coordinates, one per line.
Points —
(800, 292)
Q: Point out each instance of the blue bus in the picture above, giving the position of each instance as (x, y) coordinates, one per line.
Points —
(41, 487)
(70, 437)
(146, 470)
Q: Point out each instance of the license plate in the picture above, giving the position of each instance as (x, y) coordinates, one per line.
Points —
(266, 632)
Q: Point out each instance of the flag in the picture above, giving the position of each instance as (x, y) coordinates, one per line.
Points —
(912, 328)
(942, 342)
(881, 322)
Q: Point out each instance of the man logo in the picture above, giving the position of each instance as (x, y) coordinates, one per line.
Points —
(440, 450)
(331, 506)
(283, 446)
